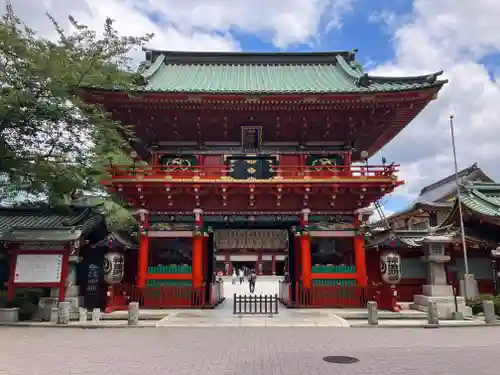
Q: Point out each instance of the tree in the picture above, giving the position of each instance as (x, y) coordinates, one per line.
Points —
(52, 144)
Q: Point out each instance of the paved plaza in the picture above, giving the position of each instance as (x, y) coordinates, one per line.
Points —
(266, 351)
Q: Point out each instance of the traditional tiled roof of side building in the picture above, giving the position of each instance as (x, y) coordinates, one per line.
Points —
(438, 194)
(48, 224)
(446, 187)
(410, 239)
(118, 240)
(268, 73)
(478, 198)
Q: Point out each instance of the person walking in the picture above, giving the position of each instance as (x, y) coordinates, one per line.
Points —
(234, 277)
(252, 278)
(242, 275)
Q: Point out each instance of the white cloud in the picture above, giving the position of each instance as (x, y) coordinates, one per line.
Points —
(194, 24)
(129, 21)
(376, 215)
(454, 36)
(286, 22)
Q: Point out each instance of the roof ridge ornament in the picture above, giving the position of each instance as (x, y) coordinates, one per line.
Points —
(352, 54)
(364, 81)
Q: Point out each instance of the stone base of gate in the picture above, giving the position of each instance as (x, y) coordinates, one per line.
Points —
(287, 318)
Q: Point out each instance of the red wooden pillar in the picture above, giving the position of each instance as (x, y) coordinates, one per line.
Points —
(143, 254)
(64, 273)
(205, 259)
(197, 258)
(347, 163)
(305, 250)
(359, 256)
(11, 293)
(258, 265)
(296, 251)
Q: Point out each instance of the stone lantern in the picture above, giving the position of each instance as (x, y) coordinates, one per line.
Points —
(437, 289)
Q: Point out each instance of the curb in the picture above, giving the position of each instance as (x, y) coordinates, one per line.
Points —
(74, 326)
(428, 326)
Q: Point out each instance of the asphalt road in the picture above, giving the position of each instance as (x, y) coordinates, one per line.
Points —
(242, 351)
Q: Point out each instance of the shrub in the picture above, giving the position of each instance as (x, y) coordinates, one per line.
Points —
(25, 299)
(477, 303)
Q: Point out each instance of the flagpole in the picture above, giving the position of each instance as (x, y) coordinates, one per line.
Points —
(459, 201)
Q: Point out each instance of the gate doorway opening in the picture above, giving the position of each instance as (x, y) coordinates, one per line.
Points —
(280, 268)
(246, 266)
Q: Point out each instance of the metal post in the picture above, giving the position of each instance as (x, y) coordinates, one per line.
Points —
(460, 213)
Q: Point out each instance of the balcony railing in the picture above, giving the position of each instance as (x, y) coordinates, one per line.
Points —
(278, 172)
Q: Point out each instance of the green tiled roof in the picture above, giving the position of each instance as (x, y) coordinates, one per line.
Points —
(268, 73)
(58, 224)
(481, 198)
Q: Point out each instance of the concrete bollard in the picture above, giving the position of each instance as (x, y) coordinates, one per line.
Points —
(96, 316)
(63, 313)
(432, 313)
(489, 312)
(133, 313)
(82, 315)
(372, 313)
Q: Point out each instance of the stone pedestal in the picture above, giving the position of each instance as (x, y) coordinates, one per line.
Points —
(372, 313)
(432, 313)
(133, 313)
(82, 318)
(468, 287)
(9, 315)
(63, 313)
(96, 316)
(489, 312)
(437, 290)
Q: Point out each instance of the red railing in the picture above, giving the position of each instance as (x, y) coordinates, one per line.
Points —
(332, 296)
(209, 172)
(163, 297)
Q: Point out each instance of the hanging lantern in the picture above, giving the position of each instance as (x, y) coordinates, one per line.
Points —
(113, 267)
(390, 267)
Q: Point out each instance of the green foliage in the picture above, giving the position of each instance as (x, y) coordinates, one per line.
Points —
(477, 303)
(53, 145)
(26, 300)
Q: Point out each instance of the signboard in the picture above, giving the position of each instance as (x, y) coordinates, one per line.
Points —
(331, 226)
(172, 226)
(93, 284)
(93, 278)
(38, 268)
(251, 239)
